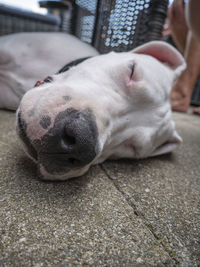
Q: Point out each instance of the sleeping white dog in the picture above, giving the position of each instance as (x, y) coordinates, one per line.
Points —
(115, 105)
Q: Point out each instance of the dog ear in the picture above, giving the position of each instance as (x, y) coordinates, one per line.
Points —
(168, 146)
(163, 52)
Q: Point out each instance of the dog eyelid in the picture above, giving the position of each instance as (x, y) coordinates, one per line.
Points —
(132, 68)
(48, 79)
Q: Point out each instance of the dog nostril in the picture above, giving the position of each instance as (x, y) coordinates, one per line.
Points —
(73, 161)
(69, 139)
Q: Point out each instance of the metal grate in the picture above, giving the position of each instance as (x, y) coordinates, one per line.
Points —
(119, 20)
(83, 19)
(119, 25)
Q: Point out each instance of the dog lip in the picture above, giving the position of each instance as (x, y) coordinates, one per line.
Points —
(59, 176)
(21, 127)
(61, 163)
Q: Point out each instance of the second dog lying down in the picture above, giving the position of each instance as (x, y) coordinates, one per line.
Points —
(109, 106)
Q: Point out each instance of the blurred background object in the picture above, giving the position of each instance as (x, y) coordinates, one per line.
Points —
(193, 18)
(31, 5)
(108, 25)
(13, 20)
(118, 25)
(177, 31)
(61, 9)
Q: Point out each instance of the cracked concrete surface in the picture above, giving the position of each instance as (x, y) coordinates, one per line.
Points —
(121, 213)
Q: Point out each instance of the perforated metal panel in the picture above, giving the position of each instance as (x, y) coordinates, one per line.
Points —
(119, 25)
(83, 19)
(119, 19)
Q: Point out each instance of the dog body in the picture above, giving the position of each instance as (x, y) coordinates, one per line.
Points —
(115, 105)
(27, 57)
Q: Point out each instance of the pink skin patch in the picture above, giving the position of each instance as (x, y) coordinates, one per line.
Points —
(48, 79)
(36, 132)
(38, 83)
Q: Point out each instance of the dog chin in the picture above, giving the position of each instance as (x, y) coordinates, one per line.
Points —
(46, 176)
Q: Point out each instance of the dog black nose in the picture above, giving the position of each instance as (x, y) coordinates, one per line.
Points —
(71, 143)
(78, 137)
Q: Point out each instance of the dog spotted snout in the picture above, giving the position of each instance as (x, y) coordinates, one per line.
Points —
(71, 143)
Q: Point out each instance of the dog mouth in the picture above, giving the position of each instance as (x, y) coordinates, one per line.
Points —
(46, 176)
(59, 163)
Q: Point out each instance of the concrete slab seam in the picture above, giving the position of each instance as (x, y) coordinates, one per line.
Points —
(149, 227)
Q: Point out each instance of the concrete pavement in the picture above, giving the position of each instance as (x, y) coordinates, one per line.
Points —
(121, 213)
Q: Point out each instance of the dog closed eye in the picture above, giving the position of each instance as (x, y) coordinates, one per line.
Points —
(48, 79)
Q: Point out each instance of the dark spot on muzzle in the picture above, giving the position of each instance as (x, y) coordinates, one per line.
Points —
(107, 123)
(45, 122)
(70, 144)
(67, 98)
(22, 126)
(31, 112)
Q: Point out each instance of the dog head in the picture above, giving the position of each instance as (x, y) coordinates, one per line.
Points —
(109, 106)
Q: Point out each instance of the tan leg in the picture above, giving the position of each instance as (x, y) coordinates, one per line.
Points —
(177, 24)
(193, 18)
(183, 86)
(190, 47)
